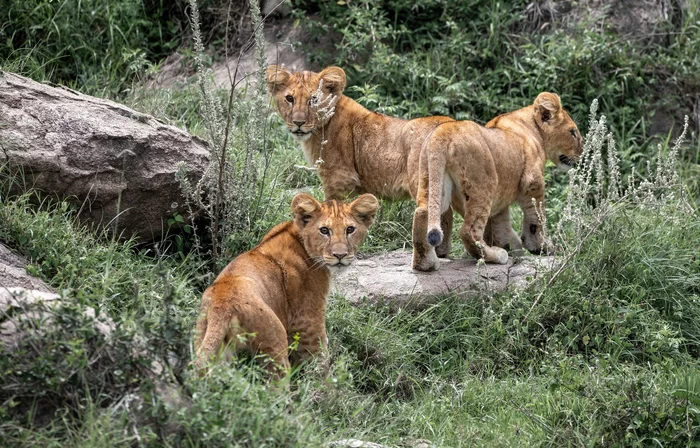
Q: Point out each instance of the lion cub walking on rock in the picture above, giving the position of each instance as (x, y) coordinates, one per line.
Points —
(481, 171)
(354, 149)
(277, 291)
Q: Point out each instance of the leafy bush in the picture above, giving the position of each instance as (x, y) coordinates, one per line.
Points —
(476, 59)
(64, 361)
(92, 45)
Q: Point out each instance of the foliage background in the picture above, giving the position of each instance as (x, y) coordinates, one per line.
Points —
(607, 355)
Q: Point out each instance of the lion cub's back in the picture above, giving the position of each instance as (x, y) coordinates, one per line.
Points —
(259, 272)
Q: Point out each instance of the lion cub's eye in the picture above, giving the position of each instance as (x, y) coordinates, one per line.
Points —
(289, 98)
(324, 230)
(573, 133)
(349, 230)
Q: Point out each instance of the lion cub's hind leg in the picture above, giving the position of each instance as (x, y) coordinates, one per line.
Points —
(476, 214)
(226, 320)
(446, 220)
(424, 256)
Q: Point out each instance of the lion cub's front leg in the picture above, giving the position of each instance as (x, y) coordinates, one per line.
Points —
(499, 232)
(532, 234)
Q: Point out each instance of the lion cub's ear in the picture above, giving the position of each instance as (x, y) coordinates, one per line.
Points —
(276, 77)
(333, 80)
(546, 105)
(365, 208)
(304, 207)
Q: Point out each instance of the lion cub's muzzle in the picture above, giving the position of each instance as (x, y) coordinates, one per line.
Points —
(566, 161)
(340, 256)
(299, 129)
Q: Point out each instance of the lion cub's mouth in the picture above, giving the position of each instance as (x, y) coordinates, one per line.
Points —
(566, 161)
(301, 135)
(334, 262)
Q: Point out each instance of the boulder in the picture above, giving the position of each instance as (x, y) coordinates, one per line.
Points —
(14, 274)
(389, 277)
(26, 300)
(117, 165)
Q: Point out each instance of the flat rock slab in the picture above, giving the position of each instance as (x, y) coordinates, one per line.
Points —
(389, 276)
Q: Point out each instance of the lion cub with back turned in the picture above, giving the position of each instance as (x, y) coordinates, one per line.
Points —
(481, 170)
(277, 291)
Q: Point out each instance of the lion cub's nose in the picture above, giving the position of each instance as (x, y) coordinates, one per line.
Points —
(298, 123)
(340, 255)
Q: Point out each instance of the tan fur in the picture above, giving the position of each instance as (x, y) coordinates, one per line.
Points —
(278, 290)
(365, 152)
(489, 168)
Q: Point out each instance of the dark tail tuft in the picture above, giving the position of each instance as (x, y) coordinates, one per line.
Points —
(434, 237)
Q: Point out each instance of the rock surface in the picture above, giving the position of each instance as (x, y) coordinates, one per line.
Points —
(30, 300)
(390, 276)
(13, 272)
(283, 42)
(116, 164)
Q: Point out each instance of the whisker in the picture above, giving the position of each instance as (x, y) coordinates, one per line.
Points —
(318, 264)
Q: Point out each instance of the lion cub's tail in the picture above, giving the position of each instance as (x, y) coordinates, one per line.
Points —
(439, 188)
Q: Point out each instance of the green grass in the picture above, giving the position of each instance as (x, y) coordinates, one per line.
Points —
(606, 355)
(609, 355)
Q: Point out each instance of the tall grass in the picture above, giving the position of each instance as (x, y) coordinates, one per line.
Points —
(97, 47)
(602, 351)
(236, 190)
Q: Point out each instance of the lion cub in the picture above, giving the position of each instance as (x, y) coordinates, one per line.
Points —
(277, 291)
(481, 170)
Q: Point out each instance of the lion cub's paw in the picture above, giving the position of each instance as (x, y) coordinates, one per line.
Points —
(427, 263)
(549, 248)
(499, 256)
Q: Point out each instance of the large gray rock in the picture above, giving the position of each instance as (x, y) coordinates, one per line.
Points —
(390, 277)
(106, 158)
(31, 300)
(13, 272)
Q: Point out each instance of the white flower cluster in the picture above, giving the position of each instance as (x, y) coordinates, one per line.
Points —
(595, 185)
(324, 105)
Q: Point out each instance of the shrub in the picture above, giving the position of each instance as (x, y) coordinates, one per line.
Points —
(237, 191)
(476, 59)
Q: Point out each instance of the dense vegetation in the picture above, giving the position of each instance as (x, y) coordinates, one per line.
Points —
(604, 351)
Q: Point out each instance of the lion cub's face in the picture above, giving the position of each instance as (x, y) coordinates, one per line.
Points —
(562, 139)
(304, 99)
(332, 231)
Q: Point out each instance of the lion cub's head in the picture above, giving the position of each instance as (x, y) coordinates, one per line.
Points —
(305, 100)
(332, 231)
(562, 139)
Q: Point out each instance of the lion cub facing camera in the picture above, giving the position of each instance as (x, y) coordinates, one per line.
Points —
(277, 291)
